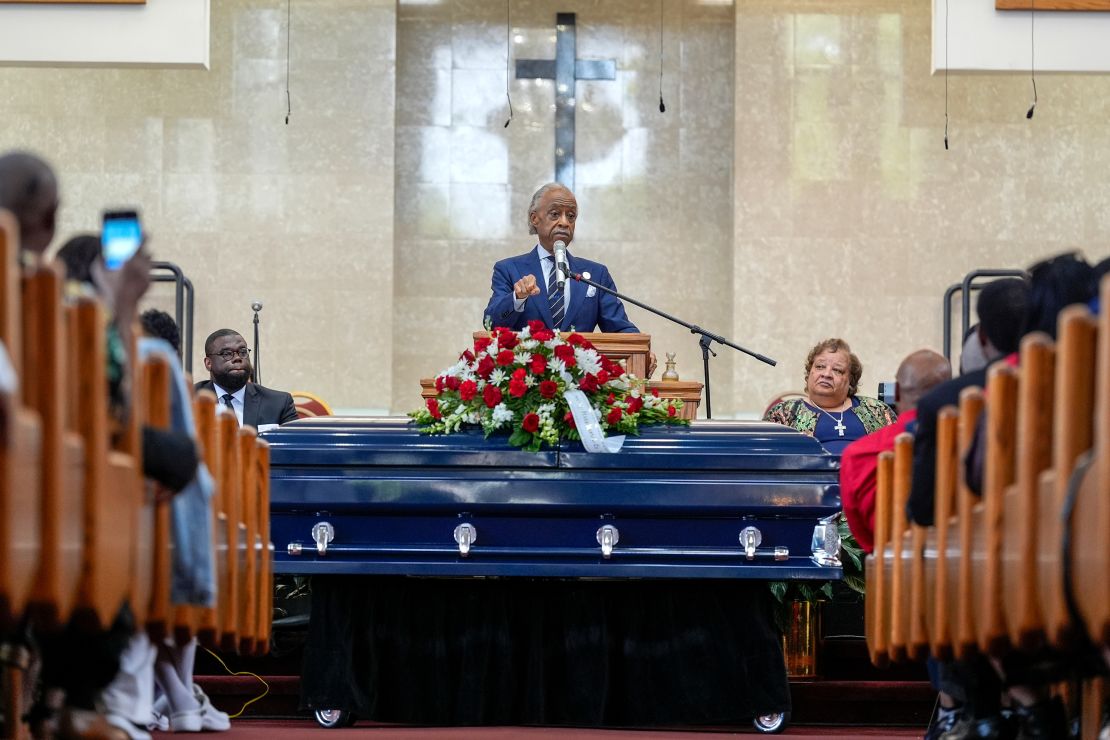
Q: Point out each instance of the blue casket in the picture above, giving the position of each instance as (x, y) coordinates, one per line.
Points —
(733, 500)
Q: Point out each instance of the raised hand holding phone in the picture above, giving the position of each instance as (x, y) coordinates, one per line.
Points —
(121, 236)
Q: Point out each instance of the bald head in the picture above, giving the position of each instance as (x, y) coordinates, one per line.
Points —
(29, 190)
(918, 374)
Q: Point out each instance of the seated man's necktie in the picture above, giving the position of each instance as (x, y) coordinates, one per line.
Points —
(554, 296)
(227, 398)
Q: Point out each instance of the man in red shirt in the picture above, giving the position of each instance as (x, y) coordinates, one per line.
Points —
(917, 375)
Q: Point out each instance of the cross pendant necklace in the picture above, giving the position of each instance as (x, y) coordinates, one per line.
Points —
(840, 428)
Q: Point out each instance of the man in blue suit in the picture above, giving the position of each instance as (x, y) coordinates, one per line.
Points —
(519, 296)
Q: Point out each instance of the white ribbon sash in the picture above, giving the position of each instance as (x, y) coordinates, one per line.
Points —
(585, 421)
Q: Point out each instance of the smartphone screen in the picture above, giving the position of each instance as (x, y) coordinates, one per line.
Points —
(121, 237)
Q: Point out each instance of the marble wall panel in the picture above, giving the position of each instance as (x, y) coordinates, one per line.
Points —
(299, 216)
(853, 219)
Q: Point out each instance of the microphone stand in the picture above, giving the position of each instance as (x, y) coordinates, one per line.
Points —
(256, 307)
(706, 341)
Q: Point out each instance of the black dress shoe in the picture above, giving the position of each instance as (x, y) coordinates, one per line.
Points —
(981, 728)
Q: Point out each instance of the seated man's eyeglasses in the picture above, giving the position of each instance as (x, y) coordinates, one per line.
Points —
(229, 354)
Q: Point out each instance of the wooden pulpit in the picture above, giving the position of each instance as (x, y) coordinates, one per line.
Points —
(630, 349)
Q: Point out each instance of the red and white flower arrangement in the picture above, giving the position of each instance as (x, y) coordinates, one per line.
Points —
(515, 382)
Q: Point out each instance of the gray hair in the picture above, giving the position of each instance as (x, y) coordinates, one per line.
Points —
(536, 200)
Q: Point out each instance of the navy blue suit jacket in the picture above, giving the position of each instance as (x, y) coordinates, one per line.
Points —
(584, 312)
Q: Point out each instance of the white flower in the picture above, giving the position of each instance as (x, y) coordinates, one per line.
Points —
(524, 333)
(545, 410)
(502, 414)
(553, 343)
(558, 367)
(523, 358)
(530, 380)
(529, 344)
(589, 360)
(497, 377)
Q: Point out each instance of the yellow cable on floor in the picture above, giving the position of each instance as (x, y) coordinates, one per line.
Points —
(241, 673)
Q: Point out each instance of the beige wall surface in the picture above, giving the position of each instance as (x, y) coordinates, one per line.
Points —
(299, 217)
(654, 190)
(368, 228)
(851, 218)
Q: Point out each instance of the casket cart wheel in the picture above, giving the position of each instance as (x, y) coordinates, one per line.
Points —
(334, 718)
(771, 724)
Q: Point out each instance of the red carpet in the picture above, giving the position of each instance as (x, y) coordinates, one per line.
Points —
(289, 729)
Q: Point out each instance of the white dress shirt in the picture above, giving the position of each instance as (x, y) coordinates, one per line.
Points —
(237, 399)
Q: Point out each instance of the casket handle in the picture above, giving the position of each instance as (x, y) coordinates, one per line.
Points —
(750, 539)
(607, 537)
(322, 534)
(465, 536)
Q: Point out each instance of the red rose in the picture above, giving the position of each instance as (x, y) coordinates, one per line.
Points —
(517, 388)
(576, 339)
(467, 355)
(588, 383)
(452, 383)
(467, 390)
(655, 392)
(569, 419)
(535, 325)
(614, 369)
(485, 366)
(635, 403)
(491, 395)
(671, 411)
(565, 353)
(505, 357)
(433, 408)
(602, 377)
(614, 416)
(506, 339)
(587, 344)
(440, 383)
(481, 344)
(531, 422)
(548, 388)
(611, 399)
(539, 364)
(519, 373)
(545, 335)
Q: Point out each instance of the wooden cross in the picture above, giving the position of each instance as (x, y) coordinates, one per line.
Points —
(566, 69)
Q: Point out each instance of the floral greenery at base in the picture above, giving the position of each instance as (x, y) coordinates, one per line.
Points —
(851, 560)
(515, 382)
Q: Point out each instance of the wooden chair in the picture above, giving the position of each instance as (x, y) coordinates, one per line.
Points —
(877, 566)
(20, 453)
(901, 550)
(1021, 527)
(998, 475)
(1073, 434)
(266, 555)
(208, 619)
(936, 589)
(44, 389)
(229, 485)
(1090, 521)
(155, 511)
(249, 561)
(113, 481)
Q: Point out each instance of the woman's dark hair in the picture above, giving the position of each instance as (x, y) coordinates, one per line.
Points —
(1053, 284)
(78, 255)
(855, 367)
(160, 324)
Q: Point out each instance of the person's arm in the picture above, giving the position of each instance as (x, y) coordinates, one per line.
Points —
(610, 309)
(508, 296)
(288, 411)
(857, 491)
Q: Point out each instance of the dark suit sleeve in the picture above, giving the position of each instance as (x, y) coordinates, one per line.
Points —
(288, 410)
(611, 315)
(500, 309)
(921, 504)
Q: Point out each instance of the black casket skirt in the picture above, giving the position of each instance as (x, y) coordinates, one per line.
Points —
(543, 651)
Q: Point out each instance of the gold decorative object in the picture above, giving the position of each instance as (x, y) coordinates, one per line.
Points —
(670, 375)
(799, 639)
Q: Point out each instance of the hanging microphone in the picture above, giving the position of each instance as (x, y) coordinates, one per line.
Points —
(561, 269)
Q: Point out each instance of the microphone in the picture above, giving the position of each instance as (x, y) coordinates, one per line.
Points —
(561, 268)
(256, 306)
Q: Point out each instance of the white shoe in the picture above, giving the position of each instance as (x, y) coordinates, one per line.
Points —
(212, 719)
(191, 720)
(159, 715)
(122, 723)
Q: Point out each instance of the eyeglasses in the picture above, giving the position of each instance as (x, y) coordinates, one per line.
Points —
(230, 354)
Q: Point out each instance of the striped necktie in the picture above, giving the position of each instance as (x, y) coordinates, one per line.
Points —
(554, 295)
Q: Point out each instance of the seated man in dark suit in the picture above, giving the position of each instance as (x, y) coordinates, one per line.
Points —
(519, 296)
(229, 368)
